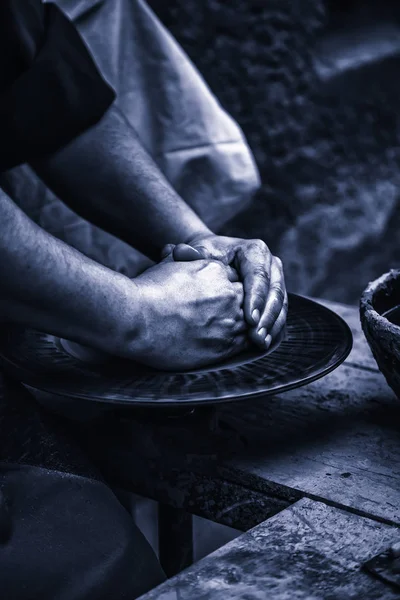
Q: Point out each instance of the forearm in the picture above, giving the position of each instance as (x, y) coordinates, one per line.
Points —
(51, 287)
(107, 177)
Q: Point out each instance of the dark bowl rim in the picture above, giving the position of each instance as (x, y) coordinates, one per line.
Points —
(367, 310)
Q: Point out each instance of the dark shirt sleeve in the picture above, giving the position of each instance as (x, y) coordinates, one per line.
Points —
(50, 88)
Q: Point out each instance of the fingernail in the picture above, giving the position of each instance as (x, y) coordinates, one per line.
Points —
(255, 315)
(268, 341)
(262, 332)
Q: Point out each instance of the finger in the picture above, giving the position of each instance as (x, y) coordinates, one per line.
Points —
(254, 265)
(234, 326)
(239, 325)
(232, 274)
(167, 250)
(280, 322)
(239, 343)
(278, 339)
(277, 299)
(238, 287)
(275, 307)
(184, 252)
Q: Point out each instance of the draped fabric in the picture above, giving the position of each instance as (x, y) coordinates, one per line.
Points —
(198, 146)
(195, 143)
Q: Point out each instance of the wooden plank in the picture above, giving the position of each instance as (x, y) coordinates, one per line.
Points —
(309, 551)
(337, 439)
(361, 354)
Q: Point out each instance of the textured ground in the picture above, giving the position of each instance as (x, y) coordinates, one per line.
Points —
(315, 87)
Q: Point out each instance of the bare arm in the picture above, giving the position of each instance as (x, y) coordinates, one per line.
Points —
(106, 176)
(48, 285)
(175, 315)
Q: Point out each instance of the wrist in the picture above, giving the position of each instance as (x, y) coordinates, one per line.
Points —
(130, 318)
(198, 235)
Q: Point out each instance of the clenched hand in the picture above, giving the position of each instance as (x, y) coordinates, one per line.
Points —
(265, 297)
(192, 313)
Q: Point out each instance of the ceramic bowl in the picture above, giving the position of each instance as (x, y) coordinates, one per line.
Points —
(380, 320)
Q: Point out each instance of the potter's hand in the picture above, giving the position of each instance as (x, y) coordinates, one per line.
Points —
(192, 314)
(265, 297)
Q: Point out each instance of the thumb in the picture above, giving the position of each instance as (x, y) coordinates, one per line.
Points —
(185, 253)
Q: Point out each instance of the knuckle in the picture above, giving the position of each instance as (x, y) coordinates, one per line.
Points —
(217, 266)
(232, 296)
(230, 324)
(226, 299)
(229, 297)
(212, 265)
(213, 268)
(279, 293)
(279, 262)
(261, 273)
(259, 244)
(200, 248)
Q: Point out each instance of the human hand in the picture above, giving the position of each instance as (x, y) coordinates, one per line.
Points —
(265, 296)
(192, 314)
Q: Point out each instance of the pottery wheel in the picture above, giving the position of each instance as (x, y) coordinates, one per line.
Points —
(317, 341)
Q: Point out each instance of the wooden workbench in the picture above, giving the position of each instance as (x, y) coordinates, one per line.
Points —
(309, 551)
(335, 441)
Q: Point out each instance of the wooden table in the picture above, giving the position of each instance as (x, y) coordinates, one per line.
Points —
(310, 551)
(335, 442)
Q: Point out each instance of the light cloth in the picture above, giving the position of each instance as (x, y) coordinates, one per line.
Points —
(196, 144)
